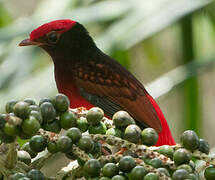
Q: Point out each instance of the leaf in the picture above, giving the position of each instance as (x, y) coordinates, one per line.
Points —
(147, 19)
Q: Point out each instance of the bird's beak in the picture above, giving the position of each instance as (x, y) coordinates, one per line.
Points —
(28, 42)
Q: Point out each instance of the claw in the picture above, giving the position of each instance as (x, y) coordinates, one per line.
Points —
(121, 151)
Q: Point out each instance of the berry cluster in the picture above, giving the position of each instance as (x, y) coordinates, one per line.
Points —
(104, 149)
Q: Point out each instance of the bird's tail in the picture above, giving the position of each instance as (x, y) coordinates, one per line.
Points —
(165, 136)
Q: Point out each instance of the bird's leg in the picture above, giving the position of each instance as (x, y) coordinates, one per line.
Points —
(104, 151)
(121, 151)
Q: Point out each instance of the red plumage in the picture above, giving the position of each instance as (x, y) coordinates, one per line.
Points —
(91, 78)
(60, 25)
(165, 136)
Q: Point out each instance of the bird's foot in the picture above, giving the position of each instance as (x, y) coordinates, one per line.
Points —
(121, 151)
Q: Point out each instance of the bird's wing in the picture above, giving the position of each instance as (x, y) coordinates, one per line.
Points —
(108, 85)
(108, 106)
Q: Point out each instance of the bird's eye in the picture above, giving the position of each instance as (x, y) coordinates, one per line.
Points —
(53, 37)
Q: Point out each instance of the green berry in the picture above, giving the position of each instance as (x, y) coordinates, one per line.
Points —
(74, 134)
(92, 178)
(82, 124)
(122, 119)
(61, 103)
(11, 114)
(181, 156)
(166, 150)
(24, 178)
(204, 146)
(24, 156)
(53, 126)
(37, 115)
(30, 101)
(193, 176)
(38, 143)
(151, 176)
(126, 164)
(30, 126)
(149, 136)
(95, 115)
(11, 129)
(115, 132)
(180, 174)
(146, 159)
(164, 171)
(110, 170)
(26, 147)
(52, 147)
(190, 140)
(118, 177)
(34, 108)
(137, 173)
(96, 148)
(17, 176)
(35, 174)
(186, 167)
(64, 144)
(68, 120)
(6, 138)
(43, 100)
(98, 129)
(9, 106)
(133, 133)
(21, 109)
(155, 162)
(92, 168)
(104, 178)
(210, 173)
(86, 143)
(2, 120)
(48, 112)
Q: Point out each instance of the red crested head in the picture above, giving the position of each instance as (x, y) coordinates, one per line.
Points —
(62, 38)
(59, 25)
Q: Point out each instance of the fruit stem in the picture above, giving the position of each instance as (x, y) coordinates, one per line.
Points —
(11, 158)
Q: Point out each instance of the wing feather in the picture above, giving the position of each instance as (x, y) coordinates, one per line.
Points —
(115, 88)
(108, 106)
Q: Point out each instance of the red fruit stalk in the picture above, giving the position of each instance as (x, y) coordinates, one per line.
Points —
(91, 78)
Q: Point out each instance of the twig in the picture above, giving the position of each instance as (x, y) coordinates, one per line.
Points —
(138, 149)
(11, 158)
(149, 168)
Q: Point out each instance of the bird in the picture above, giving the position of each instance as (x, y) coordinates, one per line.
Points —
(91, 78)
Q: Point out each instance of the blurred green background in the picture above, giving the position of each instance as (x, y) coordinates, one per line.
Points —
(168, 45)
